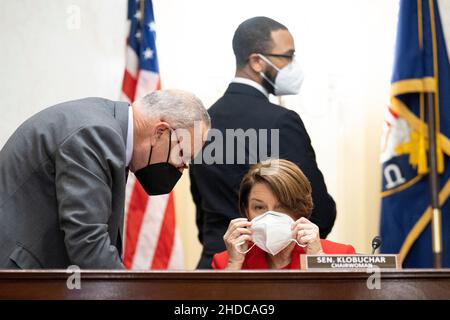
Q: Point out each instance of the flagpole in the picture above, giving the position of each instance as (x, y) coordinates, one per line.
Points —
(141, 7)
(436, 219)
(142, 10)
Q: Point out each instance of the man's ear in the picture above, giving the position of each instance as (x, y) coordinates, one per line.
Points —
(158, 130)
(256, 63)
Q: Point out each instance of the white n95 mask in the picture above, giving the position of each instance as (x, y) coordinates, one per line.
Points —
(289, 79)
(272, 232)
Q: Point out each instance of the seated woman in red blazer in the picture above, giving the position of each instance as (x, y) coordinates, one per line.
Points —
(275, 198)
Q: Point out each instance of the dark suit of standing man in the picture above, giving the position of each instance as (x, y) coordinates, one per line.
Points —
(264, 51)
(63, 174)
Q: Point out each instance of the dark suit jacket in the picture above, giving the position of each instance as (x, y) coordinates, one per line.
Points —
(62, 187)
(215, 187)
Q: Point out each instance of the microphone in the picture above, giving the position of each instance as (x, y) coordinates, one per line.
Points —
(376, 243)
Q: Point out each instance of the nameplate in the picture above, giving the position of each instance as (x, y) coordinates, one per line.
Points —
(349, 261)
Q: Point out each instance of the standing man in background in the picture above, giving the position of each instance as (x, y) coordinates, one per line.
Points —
(265, 64)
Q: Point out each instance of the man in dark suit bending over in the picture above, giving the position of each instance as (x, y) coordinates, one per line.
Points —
(265, 64)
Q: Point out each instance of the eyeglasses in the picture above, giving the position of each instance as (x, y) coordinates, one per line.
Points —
(279, 55)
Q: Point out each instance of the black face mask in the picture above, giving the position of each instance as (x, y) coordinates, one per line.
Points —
(158, 178)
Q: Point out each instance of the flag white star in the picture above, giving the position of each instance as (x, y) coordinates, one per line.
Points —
(138, 35)
(137, 15)
(152, 26)
(148, 53)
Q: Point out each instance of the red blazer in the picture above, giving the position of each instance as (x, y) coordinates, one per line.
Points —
(256, 258)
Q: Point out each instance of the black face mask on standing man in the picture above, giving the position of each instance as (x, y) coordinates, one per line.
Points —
(158, 178)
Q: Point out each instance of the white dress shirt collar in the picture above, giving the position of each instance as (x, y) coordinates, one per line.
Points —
(251, 83)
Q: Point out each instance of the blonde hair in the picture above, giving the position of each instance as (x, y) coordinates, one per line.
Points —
(287, 182)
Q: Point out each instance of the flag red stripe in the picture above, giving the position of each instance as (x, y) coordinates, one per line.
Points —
(166, 239)
(135, 216)
(129, 85)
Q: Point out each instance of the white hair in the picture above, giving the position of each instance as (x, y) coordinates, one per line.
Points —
(181, 109)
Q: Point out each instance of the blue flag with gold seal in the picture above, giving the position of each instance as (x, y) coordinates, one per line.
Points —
(421, 66)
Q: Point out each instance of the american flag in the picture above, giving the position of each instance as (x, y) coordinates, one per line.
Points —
(151, 239)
